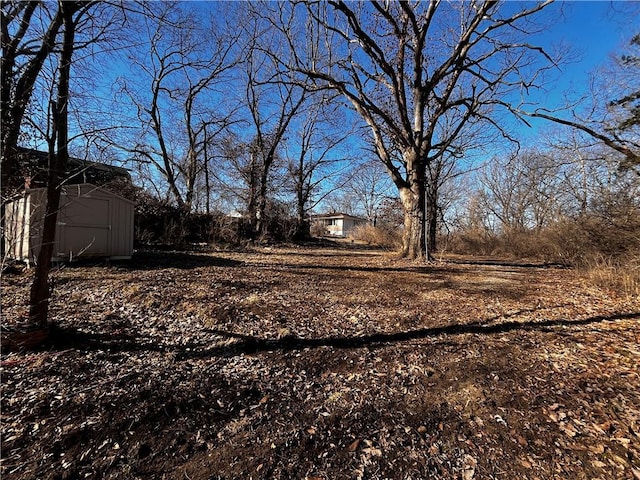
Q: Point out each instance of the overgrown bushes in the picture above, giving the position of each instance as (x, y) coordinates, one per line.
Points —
(607, 247)
(161, 224)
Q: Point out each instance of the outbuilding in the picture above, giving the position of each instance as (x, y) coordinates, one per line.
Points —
(92, 222)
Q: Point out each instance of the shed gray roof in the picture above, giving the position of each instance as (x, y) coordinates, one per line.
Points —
(35, 164)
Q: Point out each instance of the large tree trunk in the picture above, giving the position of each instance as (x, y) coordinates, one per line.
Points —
(413, 240)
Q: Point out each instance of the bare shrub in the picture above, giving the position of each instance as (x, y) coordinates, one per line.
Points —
(377, 236)
(227, 229)
(589, 238)
(473, 241)
(318, 229)
(605, 248)
(528, 244)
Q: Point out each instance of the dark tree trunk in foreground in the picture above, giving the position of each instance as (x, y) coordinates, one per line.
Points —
(40, 288)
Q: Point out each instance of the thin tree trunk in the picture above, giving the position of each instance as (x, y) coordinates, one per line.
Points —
(261, 221)
(40, 288)
(303, 229)
(262, 226)
(207, 181)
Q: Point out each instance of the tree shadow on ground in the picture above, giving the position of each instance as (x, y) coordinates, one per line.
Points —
(325, 254)
(176, 259)
(149, 260)
(425, 269)
(69, 338)
(63, 338)
(503, 263)
(252, 344)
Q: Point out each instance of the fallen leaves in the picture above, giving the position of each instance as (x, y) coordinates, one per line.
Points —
(468, 467)
(353, 446)
(453, 371)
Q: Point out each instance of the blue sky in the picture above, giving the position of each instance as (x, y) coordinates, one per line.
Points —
(595, 31)
(596, 27)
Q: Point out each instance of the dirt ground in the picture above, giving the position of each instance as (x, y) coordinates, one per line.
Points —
(323, 363)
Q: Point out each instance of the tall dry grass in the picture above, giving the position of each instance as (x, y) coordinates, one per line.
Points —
(620, 276)
(377, 236)
(605, 250)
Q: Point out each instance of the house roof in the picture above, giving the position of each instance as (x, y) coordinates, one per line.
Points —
(83, 189)
(328, 216)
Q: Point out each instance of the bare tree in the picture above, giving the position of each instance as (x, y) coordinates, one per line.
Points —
(627, 100)
(315, 152)
(523, 191)
(26, 44)
(369, 186)
(174, 95)
(420, 76)
(611, 113)
(27, 41)
(272, 104)
(71, 13)
(240, 179)
(439, 171)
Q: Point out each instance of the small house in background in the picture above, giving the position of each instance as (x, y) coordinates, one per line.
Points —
(92, 222)
(337, 224)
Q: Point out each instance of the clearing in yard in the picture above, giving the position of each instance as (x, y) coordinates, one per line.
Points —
(323, 363)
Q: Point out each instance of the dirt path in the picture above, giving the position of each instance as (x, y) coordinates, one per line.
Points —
(323, 363)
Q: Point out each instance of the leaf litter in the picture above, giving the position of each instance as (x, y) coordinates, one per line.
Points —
(322, 363)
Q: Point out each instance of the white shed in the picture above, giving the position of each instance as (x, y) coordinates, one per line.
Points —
(92, 222)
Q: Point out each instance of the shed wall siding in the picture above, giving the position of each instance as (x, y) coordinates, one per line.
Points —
(121, 233)
(17, 228)
(91, 222)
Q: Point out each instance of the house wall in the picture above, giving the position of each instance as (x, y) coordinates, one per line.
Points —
(349, 224)
(335, 227)
(122, 212)
(340, 226)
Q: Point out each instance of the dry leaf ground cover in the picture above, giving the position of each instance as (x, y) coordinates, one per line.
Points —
(323, 363)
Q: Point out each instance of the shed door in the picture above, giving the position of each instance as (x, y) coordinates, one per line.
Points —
(84, 227)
